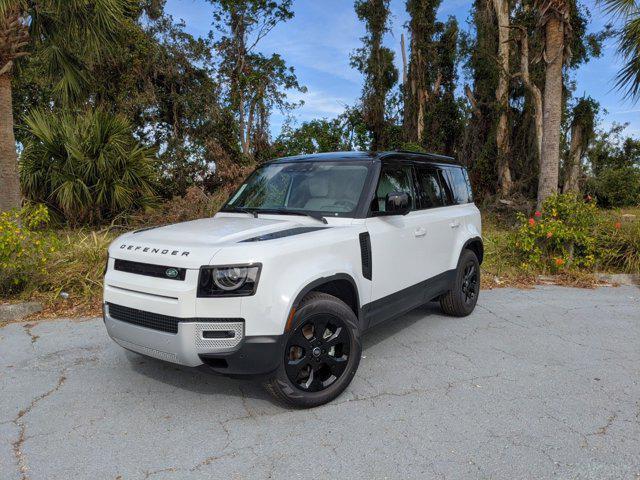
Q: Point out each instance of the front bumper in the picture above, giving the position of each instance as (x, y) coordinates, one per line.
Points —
(235, 356)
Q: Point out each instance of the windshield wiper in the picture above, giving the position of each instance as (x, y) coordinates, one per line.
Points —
(319, 218)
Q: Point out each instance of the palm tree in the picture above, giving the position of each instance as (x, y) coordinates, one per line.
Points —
(87, 166)
(628, 11)
(554, 20)
(68, 34)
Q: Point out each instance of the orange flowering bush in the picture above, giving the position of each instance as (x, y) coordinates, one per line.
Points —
(559, 236)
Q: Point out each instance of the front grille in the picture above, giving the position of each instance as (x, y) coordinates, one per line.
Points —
(156, 321)
(160, 271)
(169, 324)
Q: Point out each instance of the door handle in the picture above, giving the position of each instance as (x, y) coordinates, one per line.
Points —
(420, 232)
(454, 224)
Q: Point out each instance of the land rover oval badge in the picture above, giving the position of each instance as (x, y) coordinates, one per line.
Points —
(171, 272)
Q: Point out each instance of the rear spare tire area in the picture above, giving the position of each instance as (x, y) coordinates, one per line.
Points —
(321, 354)
(461, 300)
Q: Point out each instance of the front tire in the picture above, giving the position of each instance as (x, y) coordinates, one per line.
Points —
(461, 300)
(321, 353)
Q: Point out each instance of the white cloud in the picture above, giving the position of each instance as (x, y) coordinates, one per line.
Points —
(318, 103)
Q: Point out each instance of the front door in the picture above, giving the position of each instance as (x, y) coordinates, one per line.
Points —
(395, 242)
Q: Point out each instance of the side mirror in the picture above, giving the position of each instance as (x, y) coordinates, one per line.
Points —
(397, 203)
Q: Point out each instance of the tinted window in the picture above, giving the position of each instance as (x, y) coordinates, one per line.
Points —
(458, 185)
(430, 191)
(393, 179)
(466, 177)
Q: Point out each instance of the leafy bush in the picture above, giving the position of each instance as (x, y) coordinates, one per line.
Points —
(559, 236)
(193, 205)
(87, 167)
(24, 250)
(618, 187)
(619, 244)
(77, 268)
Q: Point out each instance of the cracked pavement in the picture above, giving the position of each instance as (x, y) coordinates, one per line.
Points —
(540, 383)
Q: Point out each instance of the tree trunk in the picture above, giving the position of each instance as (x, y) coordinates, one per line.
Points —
(571, 183)
(532, 88)
(501, 8)
(9, 180)
(552, 109)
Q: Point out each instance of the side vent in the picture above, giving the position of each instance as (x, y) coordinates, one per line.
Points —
(365, 253)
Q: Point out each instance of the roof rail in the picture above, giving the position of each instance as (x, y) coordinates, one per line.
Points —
(432, 156)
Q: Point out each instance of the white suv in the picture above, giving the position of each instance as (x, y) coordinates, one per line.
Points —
(309, 253)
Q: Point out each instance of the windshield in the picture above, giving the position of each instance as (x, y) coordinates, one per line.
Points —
(329, 188)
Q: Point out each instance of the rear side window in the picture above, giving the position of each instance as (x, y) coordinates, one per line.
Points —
(431, 194)
(458, 185)
(393, 178)
(466, 177)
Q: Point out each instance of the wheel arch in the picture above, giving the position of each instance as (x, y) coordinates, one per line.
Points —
(476, 245)
(340, 285)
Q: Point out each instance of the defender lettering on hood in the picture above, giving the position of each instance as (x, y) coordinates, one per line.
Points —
(164, 251)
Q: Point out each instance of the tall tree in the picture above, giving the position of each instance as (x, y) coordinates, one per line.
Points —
(503, 14)
(555, 22)
(628, 11)
(582, 131)
(375, 62)
(443, 129)
(53, 26)
(488, 138)
(255, 82)
(423, 77)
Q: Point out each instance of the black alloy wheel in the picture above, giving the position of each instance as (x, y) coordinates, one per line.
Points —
(470, 281)
(461, 299)
(321, 353)
(317, 353)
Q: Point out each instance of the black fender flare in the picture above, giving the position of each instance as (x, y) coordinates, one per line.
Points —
(323, 280)
(475, 240)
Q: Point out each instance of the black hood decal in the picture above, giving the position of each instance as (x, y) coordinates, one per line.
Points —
(284, 233)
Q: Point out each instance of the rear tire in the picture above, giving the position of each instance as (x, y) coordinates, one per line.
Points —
(321, 353)
(461, 300)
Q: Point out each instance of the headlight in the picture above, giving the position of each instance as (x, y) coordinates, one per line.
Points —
(228, 280)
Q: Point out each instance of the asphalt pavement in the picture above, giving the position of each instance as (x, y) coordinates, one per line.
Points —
(541, 383)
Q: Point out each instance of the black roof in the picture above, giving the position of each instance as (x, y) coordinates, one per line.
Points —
(371, 156)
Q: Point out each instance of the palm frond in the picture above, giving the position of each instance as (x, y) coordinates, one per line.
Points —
(628, 78)
(88, 166)
(620, 8)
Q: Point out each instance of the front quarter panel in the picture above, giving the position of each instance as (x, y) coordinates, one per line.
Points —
(288, 266)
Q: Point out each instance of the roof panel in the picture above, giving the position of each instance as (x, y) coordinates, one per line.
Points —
(364, 156)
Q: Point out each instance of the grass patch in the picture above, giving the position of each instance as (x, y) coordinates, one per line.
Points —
(75, 270)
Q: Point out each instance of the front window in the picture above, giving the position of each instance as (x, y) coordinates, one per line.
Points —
(393, 178)
(327, 188)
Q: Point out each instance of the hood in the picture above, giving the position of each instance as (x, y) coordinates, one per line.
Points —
(193, 244)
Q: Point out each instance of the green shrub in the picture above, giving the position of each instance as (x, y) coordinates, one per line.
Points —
(77, 268)
(559, 236)
(88, 167)
(619, 244)
(619, 187)
(24, 249)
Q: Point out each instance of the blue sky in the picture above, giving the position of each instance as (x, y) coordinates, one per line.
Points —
(318, 40)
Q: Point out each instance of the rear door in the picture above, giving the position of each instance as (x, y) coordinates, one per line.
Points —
(434, 214)
(462, 211)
